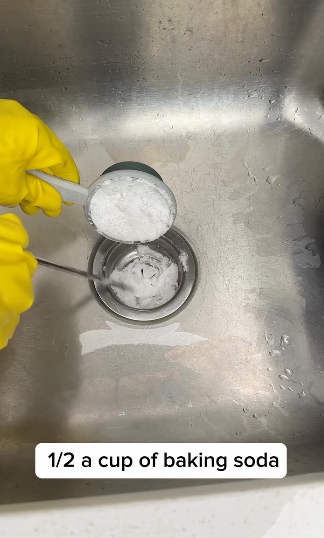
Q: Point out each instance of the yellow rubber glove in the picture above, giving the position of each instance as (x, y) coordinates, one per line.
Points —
(26, 143)
(16, 269)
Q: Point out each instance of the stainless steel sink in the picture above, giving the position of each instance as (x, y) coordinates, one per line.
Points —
(225, 100)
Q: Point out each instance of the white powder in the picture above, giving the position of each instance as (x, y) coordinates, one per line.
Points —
(150, 280)
(131, 210)
(183, 258)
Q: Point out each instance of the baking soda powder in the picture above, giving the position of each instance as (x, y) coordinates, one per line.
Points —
(131, 210)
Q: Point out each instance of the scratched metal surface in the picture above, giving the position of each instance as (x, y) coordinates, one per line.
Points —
(225, 100)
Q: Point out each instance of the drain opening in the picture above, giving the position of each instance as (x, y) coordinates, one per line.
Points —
(149, 282)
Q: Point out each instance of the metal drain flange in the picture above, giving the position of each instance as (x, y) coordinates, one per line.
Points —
(107, 255)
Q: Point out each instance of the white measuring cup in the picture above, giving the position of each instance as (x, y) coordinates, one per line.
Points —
(77, 194)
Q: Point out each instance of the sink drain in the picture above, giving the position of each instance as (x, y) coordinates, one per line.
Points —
(172, 248)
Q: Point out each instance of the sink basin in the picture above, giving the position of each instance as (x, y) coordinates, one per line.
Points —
(225, 101)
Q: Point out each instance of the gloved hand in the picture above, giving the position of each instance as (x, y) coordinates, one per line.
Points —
(26, 143)
(16, 269)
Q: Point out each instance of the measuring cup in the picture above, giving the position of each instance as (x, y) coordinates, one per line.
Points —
(77, 194)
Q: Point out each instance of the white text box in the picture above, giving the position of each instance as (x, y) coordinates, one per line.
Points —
(161, 460)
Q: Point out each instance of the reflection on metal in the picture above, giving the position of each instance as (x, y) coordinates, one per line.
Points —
(119, 335)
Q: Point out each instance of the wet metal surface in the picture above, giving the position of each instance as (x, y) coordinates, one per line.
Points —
(225, 101)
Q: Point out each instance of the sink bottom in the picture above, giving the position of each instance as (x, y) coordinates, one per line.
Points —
(242, 362)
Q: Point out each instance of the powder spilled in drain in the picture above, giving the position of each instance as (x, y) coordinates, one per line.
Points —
(150, 280)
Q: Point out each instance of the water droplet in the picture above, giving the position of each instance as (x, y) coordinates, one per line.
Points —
(299, 202)
(274, 353)
(245, 410)
(284, 377)
(311, 247)
(271, 179)
(302, 394)
(288, 372)
(255, 415)
(269, 339)
(284, 341)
